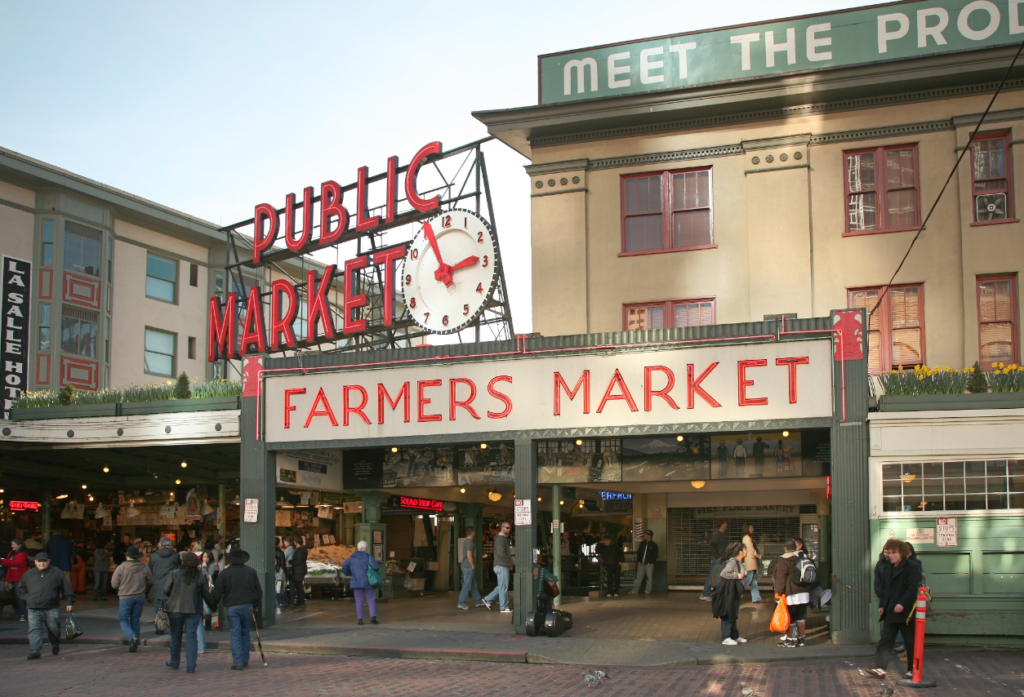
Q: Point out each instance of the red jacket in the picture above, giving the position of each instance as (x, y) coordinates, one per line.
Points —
(17, 565)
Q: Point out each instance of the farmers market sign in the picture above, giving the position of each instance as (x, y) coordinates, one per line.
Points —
(799, 44)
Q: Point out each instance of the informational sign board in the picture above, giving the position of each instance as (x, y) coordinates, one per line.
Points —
(921, 536)
(251, 512)
(523, 512)
(946, 532)
(301, 471)
(15, 294)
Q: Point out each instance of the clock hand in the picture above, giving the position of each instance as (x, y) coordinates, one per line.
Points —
(442, 273)
(468, 261)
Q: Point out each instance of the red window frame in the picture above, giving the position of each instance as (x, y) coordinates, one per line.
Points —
(885, 329)
(1014, 315)
(881, 191)
(1008, 158)
(667, 211)
(669, 307)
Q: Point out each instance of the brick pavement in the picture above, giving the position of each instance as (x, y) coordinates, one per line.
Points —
(106, 671)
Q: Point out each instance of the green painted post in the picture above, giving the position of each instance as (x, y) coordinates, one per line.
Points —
(556, 536)
(524, 596)
(258, 481)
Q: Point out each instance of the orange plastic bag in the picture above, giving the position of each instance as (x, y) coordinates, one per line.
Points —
(780, 620)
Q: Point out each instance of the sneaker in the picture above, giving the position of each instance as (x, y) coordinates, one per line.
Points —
(616, 595)
(33, 656)
(787, 643)
(482, 604)
(507, 610)
(908, 675)
(608, 596)
(277, 611)
(705, 598)
(486, 604)
(21, 619)
(800, 643)
(729, 642)
(133, 644)
(741, 640)
(462, 607)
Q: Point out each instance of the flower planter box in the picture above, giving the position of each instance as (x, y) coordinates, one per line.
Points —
(74, 411)
(171, 406)
(951, 402)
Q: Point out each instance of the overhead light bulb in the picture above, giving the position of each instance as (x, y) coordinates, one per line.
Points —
(62, 496)
(91, 498)
(494, 496)
(539, 498)
(106, 470)
(785, 434)
(561, 503)
(1, 491)
(177, 481)
(85, 486)
(579, 442)
(394, 450)
(462, 490)
(184, 464)
(483, 446)
(697, 483)
(680, 438)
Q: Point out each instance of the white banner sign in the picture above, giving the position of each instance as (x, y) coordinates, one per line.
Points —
(791, 380)
(921, 536)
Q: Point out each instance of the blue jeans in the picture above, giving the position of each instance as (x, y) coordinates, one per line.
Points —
(240, 623)
(729, 629)
(501, 591)
(751, 583)
(99, 589)
(644, 570)
(716, 566)
(19, 604)
(201, 630)
(36, 619)
(184, 623)
(129, 612)
(157, 606)
(469, 583)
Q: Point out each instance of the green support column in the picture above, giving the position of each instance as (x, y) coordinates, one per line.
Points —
(372, 502)
(556, 537)
(474, 514)
(524, 597)
(258, 482)
(44, 515)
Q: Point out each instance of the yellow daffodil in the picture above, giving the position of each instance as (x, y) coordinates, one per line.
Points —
(920, 377)
(997, 371)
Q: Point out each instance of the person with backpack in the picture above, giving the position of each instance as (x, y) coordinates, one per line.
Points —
(793, 580)
(815, 591)
(357, 566)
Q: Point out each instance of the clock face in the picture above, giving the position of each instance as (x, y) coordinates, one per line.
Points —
(450, 270)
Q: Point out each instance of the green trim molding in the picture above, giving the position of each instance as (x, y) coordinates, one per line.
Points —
(951, 402)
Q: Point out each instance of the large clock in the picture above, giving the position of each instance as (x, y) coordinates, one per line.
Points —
(450, 271)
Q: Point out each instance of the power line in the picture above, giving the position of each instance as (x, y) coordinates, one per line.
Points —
(948, 179)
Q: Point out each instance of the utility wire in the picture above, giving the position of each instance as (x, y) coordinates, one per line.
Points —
(948, 179)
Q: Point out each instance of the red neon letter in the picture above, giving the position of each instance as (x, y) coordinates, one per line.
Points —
(222, 328)
(387, 257)
(282, 326)
(307, 220)
(609, 397)
(363, 223)
(254, 318)
(330, 205)
(422, 401)
(382, 395)
(351, 326)
(260, 242)
(560, 383)
(316, 299)
(327, 411)
(742, 366)
(693, 386)
(346, 409)
(649, 394)
(792, 363)
(454, 400)
(392, 202)
(501, 396)
(288, 408)
(411, 195)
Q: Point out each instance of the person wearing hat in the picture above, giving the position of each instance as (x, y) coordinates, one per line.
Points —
(186, 588)
(15, 565)
(40, 589)
(129, 580)
(239, 587)
(162, 562)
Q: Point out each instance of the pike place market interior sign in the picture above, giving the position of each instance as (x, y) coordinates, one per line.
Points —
(790, 380)
(840, 39)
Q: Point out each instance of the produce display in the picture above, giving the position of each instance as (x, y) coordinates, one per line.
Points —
(334, 555)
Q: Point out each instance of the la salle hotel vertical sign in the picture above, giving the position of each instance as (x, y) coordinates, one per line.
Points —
(14, 304)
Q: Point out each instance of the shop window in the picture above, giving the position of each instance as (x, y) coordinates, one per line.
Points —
(992, 179)
(882, 190)
(953, 486)
(78, 331)
(895, 325)
(44, 327)
(998, 329)
(670, 211)
(82, 247)
(159, 355)
(193, 275)
(668, 314)
(47, 243)
(161, 278)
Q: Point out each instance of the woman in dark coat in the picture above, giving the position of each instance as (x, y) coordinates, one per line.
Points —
(896, 605)
(186, 589)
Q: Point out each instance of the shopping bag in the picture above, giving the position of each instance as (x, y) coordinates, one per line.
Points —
(780, 620)
(374, 578)
(163, 621)
(71, 628)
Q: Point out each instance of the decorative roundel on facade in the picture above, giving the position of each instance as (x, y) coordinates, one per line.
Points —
(217, 427)
(564, 181)
(575, 180)
(7, 431)
(798, 155)
(120, 431)
(167, 429)
(450, 271)
(71, 434)
(770, 159)
(783, 157)
(755, 160)
(551, 182)
(539, 184)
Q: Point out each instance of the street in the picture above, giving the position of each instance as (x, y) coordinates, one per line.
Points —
(110, 671)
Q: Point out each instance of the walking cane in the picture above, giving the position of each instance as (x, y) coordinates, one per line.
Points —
(258, 641)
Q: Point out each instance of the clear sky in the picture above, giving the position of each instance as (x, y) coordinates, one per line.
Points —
(214, 107)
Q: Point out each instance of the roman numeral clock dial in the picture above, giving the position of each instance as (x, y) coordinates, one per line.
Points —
(450, 271)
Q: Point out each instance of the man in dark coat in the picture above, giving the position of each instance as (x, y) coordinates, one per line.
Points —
(299, 570)
(611, 559)
(646, 556)
(896, 605)
(162, 562)
(40, 589)
(61, 551)
(239, 587)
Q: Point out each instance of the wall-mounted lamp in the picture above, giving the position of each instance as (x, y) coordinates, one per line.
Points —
(697, 483)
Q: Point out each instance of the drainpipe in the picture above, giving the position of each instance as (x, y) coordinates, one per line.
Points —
(556, 537)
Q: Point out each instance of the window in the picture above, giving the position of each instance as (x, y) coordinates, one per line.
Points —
(193, 275)
(997, 320)
(47, 243)
(192, 348)
(885, 201)
(161, 278)
(81, 248)
(664, 315)
(992, 178)
(78, 331)
(218, 286)
(159, 356)
(301, 317)
(953, 486)
(667, 212)
(44, 327)
(896, 329)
